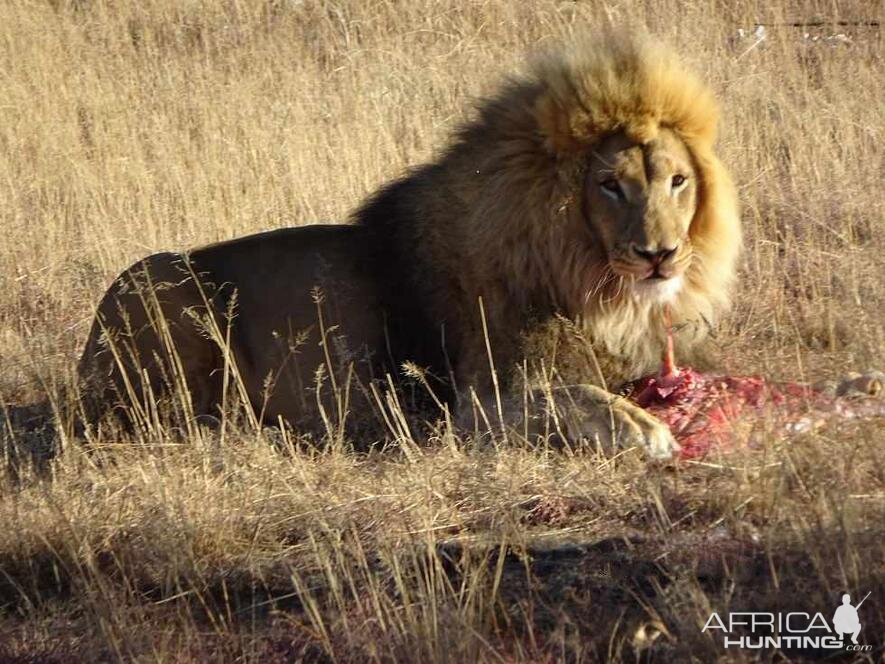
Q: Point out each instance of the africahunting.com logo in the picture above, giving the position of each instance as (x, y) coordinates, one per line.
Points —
(792, 630)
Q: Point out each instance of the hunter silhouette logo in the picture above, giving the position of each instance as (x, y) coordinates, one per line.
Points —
(758, 630)
(846, 620)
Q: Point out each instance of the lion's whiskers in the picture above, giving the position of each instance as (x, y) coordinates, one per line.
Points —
(617, 294)
(604, 279)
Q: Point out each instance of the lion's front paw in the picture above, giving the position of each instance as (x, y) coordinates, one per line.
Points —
(598, 415)
(648, 432)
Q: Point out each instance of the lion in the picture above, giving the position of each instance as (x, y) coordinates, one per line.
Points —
(571, 208)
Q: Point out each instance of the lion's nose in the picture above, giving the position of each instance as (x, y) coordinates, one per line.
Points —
(653, 255)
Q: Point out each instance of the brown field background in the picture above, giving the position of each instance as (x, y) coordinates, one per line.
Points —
(132, 127)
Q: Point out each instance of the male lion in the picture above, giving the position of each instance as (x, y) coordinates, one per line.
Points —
(578, 201)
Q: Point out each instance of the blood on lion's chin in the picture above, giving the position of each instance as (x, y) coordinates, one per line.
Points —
(657, 290)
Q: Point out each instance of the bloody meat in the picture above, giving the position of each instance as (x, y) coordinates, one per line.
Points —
(702, 409)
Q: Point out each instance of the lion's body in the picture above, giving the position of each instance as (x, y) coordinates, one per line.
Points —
(259, 296)
(495, 245)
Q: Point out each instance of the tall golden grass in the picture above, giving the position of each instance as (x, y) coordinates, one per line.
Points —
(130, 127)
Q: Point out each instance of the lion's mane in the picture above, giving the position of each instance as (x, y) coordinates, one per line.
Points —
(499, 214)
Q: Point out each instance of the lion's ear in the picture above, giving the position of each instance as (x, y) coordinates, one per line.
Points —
(564, 129)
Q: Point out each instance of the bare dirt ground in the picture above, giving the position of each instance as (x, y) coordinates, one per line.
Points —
(133, 127)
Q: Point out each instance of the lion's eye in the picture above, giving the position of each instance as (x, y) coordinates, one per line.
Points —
(677, 181)
(611, 185)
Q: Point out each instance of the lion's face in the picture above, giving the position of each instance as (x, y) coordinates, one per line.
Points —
(640, 199)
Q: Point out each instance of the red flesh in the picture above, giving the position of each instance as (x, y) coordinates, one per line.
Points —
(701, 409)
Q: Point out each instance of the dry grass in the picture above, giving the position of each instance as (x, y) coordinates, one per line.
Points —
(129, 127)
